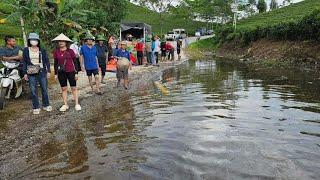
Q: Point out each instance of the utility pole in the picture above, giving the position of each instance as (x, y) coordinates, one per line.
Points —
(234, 8)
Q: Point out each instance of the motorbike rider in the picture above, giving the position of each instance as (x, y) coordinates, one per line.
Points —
(11, 54)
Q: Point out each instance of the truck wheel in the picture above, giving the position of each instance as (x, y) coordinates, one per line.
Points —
(3, 93)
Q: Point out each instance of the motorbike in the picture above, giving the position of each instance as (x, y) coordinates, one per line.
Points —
(10, 83)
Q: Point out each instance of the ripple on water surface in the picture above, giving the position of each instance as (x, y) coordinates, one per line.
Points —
(218, 122)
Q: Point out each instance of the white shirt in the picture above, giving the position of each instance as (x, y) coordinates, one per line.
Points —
(75, 49)
(34, 57)
(157, 44)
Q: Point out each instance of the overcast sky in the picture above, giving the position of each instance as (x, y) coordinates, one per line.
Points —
(268, 1)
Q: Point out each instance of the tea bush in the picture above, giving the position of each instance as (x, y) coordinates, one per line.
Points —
(300, 21)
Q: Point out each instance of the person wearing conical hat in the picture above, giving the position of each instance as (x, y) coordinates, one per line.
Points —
(89, 62)
(102, 53)
(65, 70)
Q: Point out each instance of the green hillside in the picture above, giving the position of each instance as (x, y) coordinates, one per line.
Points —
(141, 14)
(300, 21)
(290, 13)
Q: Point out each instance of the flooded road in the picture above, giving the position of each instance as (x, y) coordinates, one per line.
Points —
(219, 121)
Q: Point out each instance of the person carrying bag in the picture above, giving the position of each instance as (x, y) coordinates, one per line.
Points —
(36, 69)
(65, 70)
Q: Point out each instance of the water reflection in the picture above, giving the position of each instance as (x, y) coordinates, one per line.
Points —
(220, 121)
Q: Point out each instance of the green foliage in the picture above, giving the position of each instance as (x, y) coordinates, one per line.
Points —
(106, 13)
(139, 14)
(262, 6)
(299, 21)
(205, 44)
(72, 17)
(252, 2)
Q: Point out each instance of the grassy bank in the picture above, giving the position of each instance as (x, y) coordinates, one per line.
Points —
(300, 21)
(285, 37)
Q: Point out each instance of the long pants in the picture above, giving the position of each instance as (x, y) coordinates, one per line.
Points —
(40, 78)
(155, 58)
(140, 57)
(171, 54)
(149, 57)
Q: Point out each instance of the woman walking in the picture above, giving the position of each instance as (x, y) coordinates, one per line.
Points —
(36, 68)
(65, 70)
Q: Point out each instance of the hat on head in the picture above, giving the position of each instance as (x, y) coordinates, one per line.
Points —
(100, 38)
(89, 36)
(62, 37)
(34, 36)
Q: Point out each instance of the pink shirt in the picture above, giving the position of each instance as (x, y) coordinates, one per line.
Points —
(61, 56)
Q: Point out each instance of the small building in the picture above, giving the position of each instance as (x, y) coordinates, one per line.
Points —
(136, 30)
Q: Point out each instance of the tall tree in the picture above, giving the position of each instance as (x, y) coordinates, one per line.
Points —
(273, 5)
(262, 6)
(252, 2)
(19, 11)
(73, 17)
(209, 10)
(160, 6)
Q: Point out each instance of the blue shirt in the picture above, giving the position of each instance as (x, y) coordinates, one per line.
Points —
(89, 57)
(123, 53)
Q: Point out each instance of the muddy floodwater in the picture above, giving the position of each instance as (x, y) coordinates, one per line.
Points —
(202, 120)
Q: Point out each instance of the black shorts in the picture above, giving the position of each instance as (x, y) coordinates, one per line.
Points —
(103, 69)
(163, 53)
(94, 72)
(65, 77)
(139, 54)
(122, 74)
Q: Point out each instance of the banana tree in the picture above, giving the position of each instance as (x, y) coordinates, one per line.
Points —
(21, 9)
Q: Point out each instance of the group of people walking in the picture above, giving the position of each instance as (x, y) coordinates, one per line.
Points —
(70, 58)
(153, 49)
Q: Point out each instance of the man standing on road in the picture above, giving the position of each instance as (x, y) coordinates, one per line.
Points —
(149, 51)
(11, 54)
(155, 50)
(102, 52)
(89, 62)
(140, 49)
(179, 45)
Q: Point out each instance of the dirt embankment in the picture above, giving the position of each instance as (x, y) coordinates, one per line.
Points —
(302, 54)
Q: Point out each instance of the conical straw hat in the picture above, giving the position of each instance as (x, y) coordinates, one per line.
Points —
(62, 37)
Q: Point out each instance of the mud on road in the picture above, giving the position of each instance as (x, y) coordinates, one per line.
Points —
(22, 133)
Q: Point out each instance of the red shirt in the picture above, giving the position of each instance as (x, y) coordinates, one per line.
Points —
(168, 46)
(139, 46)
(61, 56)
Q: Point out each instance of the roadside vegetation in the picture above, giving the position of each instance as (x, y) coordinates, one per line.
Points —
(300, 21)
